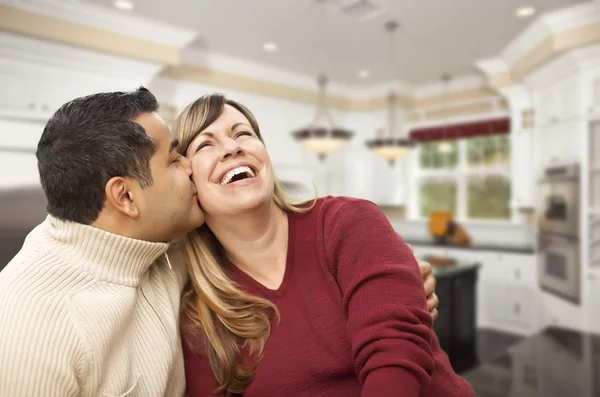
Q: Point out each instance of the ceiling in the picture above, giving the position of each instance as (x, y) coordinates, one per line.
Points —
(436, 37)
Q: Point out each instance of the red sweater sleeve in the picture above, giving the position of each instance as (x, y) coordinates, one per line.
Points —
(388, 322)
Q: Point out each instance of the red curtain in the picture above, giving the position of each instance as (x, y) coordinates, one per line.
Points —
(462, 130)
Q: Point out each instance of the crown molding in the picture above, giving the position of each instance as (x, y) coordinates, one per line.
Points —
(456, 84)
(547, 25)
(108, 19)
(572, 16)
(492, 66)
(228, 64)
(43, 53)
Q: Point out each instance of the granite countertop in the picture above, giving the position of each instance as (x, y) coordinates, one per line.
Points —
(526, 250)
(456, 268)
(553, 363)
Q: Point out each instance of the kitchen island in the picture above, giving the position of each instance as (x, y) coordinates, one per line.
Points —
(456, 325)
(552, 363)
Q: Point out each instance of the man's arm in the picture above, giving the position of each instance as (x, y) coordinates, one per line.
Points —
(39, 347)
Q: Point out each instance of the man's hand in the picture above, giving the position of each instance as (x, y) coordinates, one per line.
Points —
(429, 282)
(432, 300)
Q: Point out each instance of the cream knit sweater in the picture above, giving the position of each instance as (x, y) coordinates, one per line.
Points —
(87, 313)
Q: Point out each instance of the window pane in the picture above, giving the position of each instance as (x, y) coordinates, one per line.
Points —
(488, 150)
(437, 195)
(425, 155)
(488, 197)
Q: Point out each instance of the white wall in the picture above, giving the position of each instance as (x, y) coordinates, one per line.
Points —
(38, 77)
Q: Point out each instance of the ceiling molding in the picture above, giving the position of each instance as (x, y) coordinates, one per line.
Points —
(40, 36)
(14, 47)
(547, 38)
(62, 31)
(127, 24)
(292, 93)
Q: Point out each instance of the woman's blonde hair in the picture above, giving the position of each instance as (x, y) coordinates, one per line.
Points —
(227, 317)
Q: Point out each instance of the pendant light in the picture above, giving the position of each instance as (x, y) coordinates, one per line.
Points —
(322, 137)
(389, 143)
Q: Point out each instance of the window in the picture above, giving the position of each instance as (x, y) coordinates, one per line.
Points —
(468, 177)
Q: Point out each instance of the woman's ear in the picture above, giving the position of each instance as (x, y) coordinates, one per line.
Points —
(122, 196)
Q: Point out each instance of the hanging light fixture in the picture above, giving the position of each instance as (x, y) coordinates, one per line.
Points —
(389, 143)
(322, 137)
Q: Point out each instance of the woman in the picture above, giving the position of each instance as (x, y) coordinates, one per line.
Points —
(320, 298)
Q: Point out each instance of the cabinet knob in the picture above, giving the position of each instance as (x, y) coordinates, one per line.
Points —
(517, 274)
(517, 308)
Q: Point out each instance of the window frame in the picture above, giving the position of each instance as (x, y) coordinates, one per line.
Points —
(460, 174)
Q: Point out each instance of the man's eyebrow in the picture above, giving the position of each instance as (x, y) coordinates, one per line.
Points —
(174, 144)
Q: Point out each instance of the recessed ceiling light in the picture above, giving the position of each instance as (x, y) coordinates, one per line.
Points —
(524, 12)
(363, 74)
(126, 5)
(269, 46)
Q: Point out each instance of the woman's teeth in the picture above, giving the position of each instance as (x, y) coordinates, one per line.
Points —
(237, 171)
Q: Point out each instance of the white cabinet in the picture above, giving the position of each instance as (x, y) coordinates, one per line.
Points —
(560, 102)
(519, 306)
(507, 292)
(593, 303)
(560, 143)
(523, 170)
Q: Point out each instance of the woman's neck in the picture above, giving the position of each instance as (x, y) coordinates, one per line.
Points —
(256, 243)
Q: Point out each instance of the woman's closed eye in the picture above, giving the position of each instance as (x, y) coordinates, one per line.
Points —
(203, 145)
(243, 133)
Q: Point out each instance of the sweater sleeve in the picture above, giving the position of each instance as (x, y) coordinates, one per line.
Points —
(40, 350)
(388, 323)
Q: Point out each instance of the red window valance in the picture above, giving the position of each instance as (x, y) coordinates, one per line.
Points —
(462, 130)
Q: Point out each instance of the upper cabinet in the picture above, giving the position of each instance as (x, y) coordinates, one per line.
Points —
(560, 102)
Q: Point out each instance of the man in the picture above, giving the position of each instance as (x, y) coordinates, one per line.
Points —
(90, 304)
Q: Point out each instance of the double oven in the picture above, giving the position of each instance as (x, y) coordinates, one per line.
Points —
(558, 222)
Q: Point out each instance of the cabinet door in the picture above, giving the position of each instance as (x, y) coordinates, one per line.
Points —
(520, 306)
(493, 302)
(568, 99)
(593, 310)
(522, 169)
(547, 106)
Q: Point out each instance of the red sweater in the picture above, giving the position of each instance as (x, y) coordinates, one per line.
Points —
(354, 319)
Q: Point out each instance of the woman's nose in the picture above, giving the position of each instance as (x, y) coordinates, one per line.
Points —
(230, 148)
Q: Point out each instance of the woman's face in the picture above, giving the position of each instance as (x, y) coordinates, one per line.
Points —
(231, 167)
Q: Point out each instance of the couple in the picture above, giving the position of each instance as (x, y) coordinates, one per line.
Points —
(150, 237)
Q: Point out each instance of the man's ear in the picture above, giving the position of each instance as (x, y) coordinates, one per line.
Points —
(120, 194)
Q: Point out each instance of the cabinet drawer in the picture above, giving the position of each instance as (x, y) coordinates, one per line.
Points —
(516, 269)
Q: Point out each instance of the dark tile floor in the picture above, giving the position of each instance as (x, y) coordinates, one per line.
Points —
(490, 345)
(555, 362)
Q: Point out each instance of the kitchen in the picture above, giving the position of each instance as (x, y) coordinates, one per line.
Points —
(506, 144)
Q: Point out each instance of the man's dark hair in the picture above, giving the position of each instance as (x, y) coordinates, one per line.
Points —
(88, 141)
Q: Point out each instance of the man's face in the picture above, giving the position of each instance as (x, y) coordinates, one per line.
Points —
(169, 207)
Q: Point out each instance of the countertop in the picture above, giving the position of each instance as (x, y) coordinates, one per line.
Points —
(553, 363)
(457, 268)
(526, 250)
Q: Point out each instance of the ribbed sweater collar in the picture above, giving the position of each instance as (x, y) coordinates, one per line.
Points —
(109, 257)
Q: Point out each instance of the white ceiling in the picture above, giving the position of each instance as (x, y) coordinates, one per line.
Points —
(436, 36)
